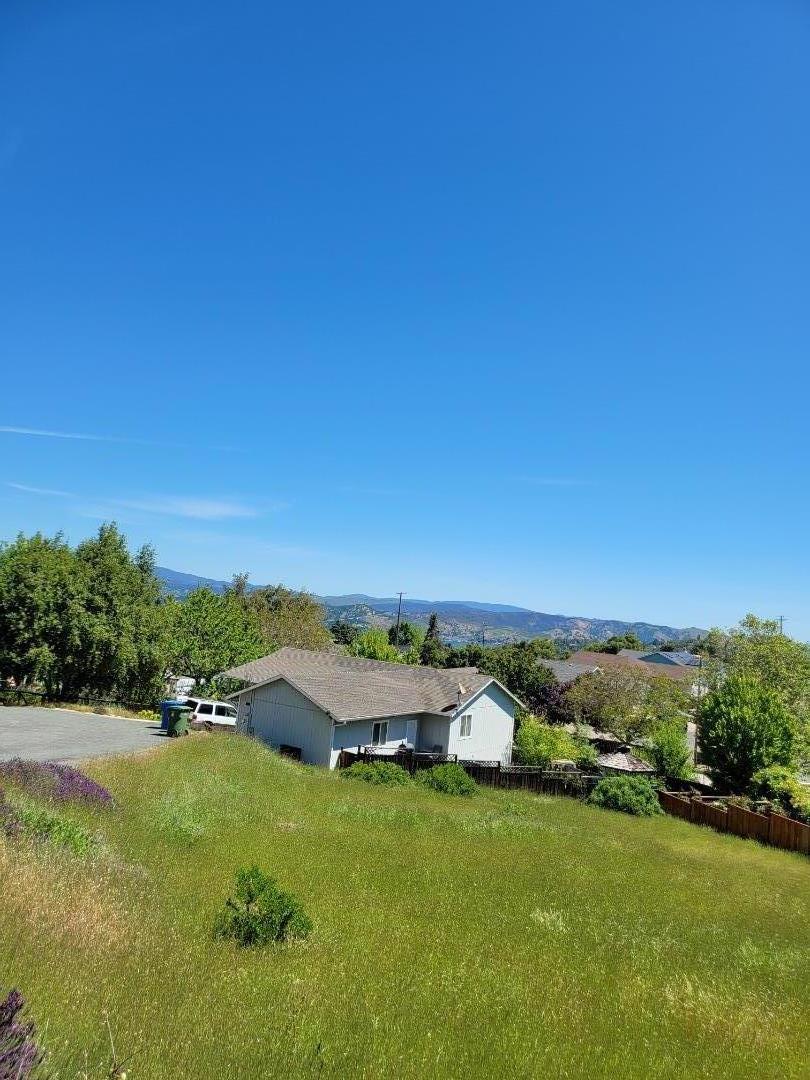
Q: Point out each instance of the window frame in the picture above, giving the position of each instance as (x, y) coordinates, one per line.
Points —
(382, 726)
(461, 733)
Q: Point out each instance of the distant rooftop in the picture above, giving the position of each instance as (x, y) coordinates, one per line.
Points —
(565, 671)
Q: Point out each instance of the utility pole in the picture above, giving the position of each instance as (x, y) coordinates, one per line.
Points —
(399, 616)
(781, 624)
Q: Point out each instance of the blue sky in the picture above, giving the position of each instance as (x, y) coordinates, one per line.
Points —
(503, 302)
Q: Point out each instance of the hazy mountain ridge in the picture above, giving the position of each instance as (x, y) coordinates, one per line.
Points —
(461, 621)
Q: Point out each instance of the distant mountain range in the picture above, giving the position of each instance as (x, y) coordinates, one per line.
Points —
(461, 621)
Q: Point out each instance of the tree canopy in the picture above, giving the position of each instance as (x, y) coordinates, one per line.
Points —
(745, 726)
(628, 702)
(81, 620)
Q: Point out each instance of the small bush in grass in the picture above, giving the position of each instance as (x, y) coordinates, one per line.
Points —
(377, 772)
(46, 825)
(19, 1053)
(259, 913)
(449, 778)
(630, 794)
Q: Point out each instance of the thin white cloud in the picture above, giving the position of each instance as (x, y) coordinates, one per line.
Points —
(190, 507)
(183, 506)
(40, 491)
(41, 433)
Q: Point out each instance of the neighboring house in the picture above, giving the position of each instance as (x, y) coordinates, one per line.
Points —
(681, 672)
(564, 671)
(314, 704)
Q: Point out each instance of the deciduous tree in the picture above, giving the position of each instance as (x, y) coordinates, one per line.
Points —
(745, 726)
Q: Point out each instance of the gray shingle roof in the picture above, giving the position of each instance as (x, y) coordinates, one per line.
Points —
(564, 671)
(350, 688)
(623, 761)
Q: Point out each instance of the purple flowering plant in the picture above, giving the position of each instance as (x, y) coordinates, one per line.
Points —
(20, 1054)
(50, 780)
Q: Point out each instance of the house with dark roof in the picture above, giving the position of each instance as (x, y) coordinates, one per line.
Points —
(315, 704)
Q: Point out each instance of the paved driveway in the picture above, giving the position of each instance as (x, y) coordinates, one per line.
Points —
(59, 735)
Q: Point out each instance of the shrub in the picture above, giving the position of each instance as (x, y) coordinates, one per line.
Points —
(780, 785)
(630, 794)
(19, 1053)
(450, 779)
(668, 753)
(744, 727)
(537, 743)
(50, 780)
(260, 913)
(46, 825)
(377, 772)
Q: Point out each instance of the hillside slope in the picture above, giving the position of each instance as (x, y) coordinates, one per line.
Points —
(504, 935)
(461, 620)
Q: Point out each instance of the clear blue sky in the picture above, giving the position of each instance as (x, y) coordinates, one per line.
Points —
(504, 302)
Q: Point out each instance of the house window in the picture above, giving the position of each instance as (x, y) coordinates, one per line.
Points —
(379, 732)
(466, 726)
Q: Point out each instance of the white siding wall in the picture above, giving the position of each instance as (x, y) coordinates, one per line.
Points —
(493, 725)
(356, 733)
(279, 714)
(434, 731)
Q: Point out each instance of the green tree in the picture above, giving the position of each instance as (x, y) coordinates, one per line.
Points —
(122, 646)
(432, 652)
(745, 726)
(758, 648)
(537, 743)
(407, 636)
(285, 617)
(42, 610)
(668, 752)
(516, 666)
(209, 633)
(373, 644)
(614, 644)
(83, 621)
(344, 633)
(628, 701)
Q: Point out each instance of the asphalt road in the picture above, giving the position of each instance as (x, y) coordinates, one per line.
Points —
(59, 735)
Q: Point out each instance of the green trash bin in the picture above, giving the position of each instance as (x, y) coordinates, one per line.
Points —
(178, 721)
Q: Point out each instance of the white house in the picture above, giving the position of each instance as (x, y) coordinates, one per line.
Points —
(315, 704)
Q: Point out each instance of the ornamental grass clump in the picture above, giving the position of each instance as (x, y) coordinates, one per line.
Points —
(20, 1053)
(377, 772)
(50, 780)
(449, 779)
(630, 794)
(260, 913)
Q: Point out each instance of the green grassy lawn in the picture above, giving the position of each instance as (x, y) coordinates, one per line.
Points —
(503, 935)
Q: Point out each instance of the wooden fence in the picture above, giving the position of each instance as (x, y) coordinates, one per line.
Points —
(490, 773)
(713, 811)
(770, 828)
